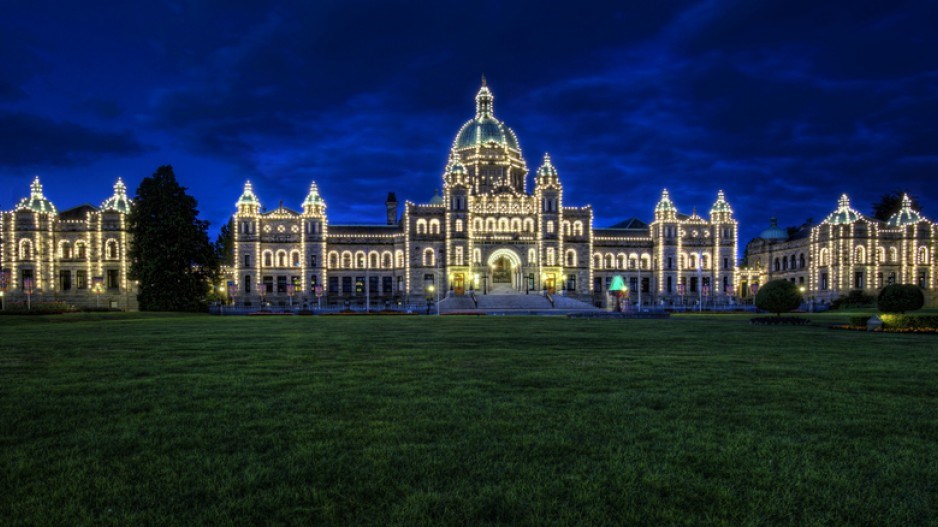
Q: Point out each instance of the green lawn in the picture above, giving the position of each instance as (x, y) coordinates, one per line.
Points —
(139, 419)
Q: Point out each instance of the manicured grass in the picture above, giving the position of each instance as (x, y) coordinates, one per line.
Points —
(192, 420)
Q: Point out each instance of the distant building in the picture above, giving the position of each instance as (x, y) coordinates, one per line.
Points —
(78, 256)
(847, 251)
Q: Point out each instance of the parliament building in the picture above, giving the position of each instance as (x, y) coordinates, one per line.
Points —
(493, 229)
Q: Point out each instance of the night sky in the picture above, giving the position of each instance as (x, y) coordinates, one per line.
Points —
(784, 104)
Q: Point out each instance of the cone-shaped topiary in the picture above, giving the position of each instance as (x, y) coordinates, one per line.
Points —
(899, 298)
(778, 296)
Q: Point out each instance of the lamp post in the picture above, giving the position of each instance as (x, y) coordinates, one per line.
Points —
(639, 283)
(3, 305)
(802, 290)
(429, 295)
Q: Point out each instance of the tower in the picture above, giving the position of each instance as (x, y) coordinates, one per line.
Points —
(391, 205)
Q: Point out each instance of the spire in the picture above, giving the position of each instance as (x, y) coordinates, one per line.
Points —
(721, 205)
(119, 202)
(547, 175)
(664, 204)
(36, 202)
(313, 199)
(248, 200)
(484, 101)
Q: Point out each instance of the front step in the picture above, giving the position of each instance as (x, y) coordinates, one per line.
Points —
(513, 304)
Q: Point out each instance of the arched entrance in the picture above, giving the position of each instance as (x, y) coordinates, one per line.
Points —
(504, 266)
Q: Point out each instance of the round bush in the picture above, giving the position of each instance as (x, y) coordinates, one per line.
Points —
(899, 298)
(778, 296)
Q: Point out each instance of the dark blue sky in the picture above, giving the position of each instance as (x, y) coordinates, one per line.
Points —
(783, 104)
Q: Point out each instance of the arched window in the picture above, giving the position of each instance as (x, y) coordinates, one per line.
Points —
(646, 261)
(550, 226)
(778, 264)
(922, 255)
(429, 258)
(399, 256)
(784, 263)
(434, 226)
(551, 256)
(705, 261)
(421, 226)
(791, 261)
(26, 250)
(110, 250)
(528, 225)
(268, 259)
(477, 224)
(281, 258)
(570, 258)
(65, 249)
(578, 228)
(597, 261)
(333, 260)
(620, 261)
(459, 256)
(532, 256)
(502, 224)
(386, 260)
(801, 260)
(490, 224)
(567, 228)
(458, 225)
(610, 262)
(360, 260)
(881, 255)
(295, 258)
(516, 225)
(860, 254)
(373, 260)
(347, 260)
(893, 255)
(80, 250)
(477, 256)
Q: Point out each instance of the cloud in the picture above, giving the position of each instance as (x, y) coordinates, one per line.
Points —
(30, 140)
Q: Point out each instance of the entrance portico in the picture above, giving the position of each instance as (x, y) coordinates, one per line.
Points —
(506, 272)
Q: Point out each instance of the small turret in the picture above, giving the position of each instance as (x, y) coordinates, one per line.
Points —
(665, 209)
(314, 205)
(119, 202)
(547, 176)
(721, 210)
(906, 215)
(248, 202)
(36, 202)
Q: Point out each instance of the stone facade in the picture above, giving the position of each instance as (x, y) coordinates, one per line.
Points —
(485, 232)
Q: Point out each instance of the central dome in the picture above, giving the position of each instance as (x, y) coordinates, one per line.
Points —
(485, 128)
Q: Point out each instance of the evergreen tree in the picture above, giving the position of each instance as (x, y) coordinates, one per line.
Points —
(890, 203)
(171, 255)
(224, 244)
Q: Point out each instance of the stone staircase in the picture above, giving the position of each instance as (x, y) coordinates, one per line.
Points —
(504, 303)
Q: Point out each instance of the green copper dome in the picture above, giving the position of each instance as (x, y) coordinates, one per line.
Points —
(437, 199)
(119, 202)
(774, 232)
(665, 204)
(844, 213)
(36, 202)
(721, 205)
(485, 128)
(906, 215)
(248, 197)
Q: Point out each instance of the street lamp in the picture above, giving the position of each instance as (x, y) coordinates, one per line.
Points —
(429, 295)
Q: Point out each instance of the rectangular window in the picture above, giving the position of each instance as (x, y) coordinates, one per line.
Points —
(81, 276)
(313, 281)
(373, 285)
(633, 283)
(334, 285)
(113, 279)
(693, 284)
(247, 260)
(247, 283)
(312, 260)
(670, 287)
(387, 285)
(281, 284)
(646, 285)
(823, 281)
(597, 284)
(359, 285)
(670, 262)
(726, 263)
(65, 280)
(268, 284)
(429, 278)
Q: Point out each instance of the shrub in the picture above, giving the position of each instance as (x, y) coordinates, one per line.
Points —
(778, 321)
(899, 298)
(856, 298)
(778, 296)
(894, 321)
(37, 308)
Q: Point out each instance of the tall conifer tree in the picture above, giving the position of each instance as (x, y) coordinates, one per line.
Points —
(171, 255)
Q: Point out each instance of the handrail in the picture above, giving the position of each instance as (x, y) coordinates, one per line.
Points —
(475, 300)
(549, 298)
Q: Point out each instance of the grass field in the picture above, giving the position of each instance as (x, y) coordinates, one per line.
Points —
(140, 419)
